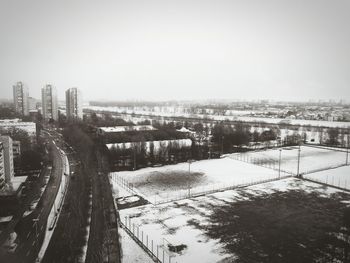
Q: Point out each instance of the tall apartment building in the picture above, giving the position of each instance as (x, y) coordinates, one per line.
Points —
(74, 104)
(2, 166)
(31, 103)
(8, 157)
(20, 99)
(49, 103)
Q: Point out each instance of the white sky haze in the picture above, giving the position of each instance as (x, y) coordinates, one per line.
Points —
(180, 49)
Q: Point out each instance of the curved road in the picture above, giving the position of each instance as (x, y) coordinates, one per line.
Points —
(31, 229)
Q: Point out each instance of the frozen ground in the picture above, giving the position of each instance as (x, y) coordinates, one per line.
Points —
(288, 220)
(338, 177)
(312, 158)
(176, 181)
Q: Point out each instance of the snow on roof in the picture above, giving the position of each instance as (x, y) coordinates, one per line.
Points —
(181, 142)
(184, 129)
(128, 128)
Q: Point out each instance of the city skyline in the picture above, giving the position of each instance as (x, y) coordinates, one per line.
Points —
(185, 50)
(63, 99)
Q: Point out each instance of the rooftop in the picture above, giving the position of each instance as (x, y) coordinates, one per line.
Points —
(13, 187)
(128, 128)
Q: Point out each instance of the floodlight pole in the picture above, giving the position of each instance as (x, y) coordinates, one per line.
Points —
(279, 165)
(134, 157)
(299, 150)
(222, 145)
(347, 150)
(189, 173)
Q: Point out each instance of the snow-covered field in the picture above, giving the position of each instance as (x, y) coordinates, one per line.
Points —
(131, 251)
(182, 180)
(311, 158)
(185, 223)
(315, 123)
(338, 177)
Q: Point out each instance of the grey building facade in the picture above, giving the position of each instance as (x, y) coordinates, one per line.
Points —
(20, 99)
(49, 102)
(74, 104)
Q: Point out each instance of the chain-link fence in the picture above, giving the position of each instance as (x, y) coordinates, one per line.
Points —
(190, 192)
(158, 250)
(263, 161)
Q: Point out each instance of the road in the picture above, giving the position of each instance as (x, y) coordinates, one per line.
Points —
(70, 234)
(31, 229)
(103, 242)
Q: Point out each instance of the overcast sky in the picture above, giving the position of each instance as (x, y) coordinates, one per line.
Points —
(180, 49)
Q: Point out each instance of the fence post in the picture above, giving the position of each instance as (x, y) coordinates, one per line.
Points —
(157, 250)
(163, 254)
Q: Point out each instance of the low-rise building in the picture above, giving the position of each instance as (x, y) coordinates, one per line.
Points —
(10, 186)
(2, 166)
(8, 158)
(102, 131)
(9, 124)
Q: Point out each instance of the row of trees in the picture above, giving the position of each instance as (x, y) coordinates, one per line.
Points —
(142, 154)
(207, 139)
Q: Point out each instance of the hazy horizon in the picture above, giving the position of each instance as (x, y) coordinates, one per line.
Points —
(178, 50)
